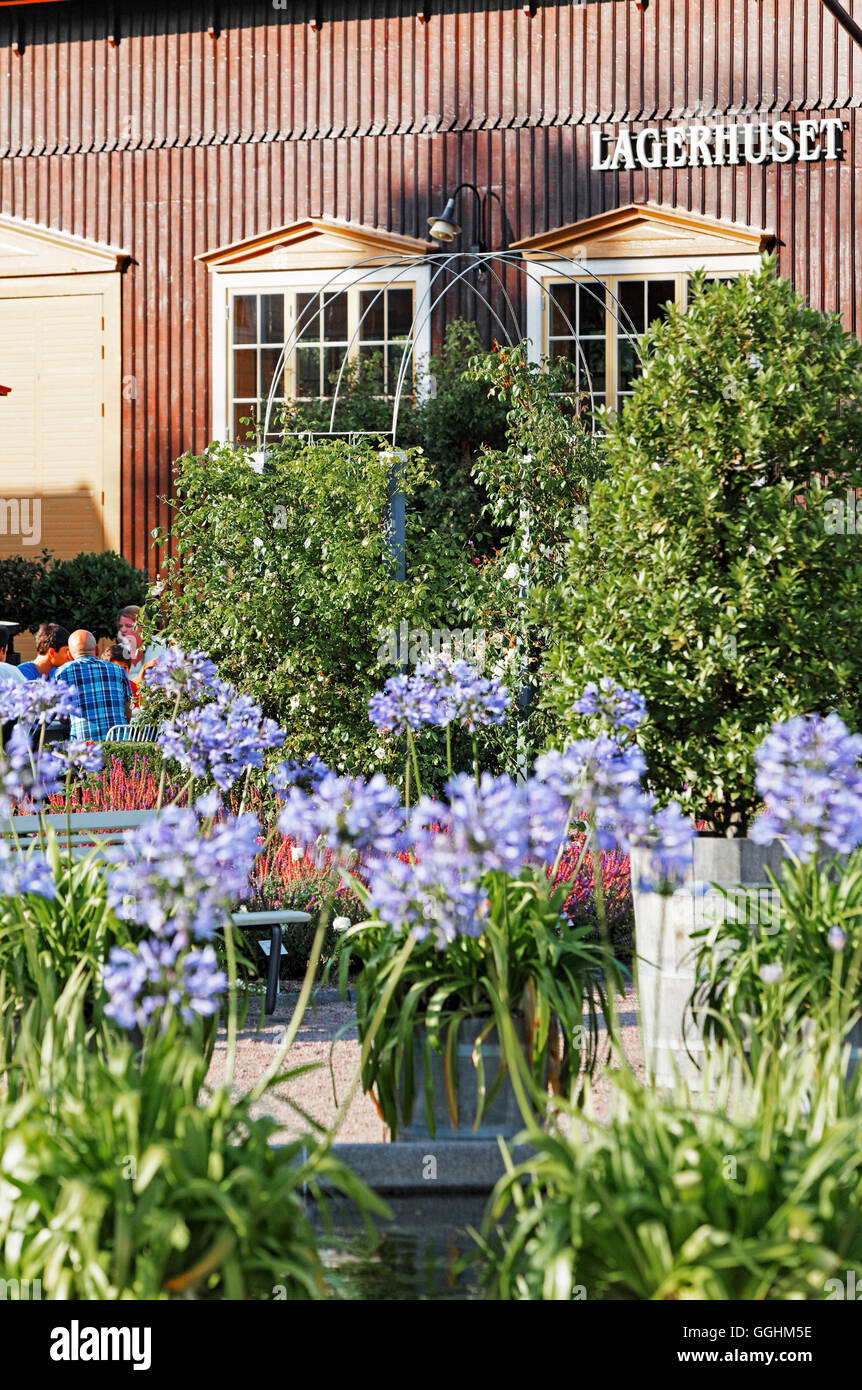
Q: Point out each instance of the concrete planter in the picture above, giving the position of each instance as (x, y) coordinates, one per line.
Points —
(663, 932)
(502, 1117)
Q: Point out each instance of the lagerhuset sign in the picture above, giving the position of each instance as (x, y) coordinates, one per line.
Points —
(681, 146)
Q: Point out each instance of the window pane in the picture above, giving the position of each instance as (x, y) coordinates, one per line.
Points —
(395, 355)
(307, 320)
(563, 321)
(628, 366)
(245, 373)
(631, 302)
(332, 360)
(400, 313)
(371, 367)
(594, 357)
(335, 318)
(591, 309)
(245, 318)
(659, 293)
(272, 318)
(268, 363)
(308, 371)
(372, 324)
(243, 432)
(565, 348)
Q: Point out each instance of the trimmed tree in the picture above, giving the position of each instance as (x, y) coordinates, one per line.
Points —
(720, 572)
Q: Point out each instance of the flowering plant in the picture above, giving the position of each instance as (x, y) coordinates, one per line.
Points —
(793, 955)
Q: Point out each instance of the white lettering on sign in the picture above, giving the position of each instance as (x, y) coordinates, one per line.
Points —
(678, 146)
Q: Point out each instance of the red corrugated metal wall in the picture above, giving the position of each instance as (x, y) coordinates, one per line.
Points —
(170, 142)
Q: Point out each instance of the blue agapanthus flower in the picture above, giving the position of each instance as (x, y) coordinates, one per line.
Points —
(24, 872)
(161, 974)
(39, 701)
(222, 738)
(166, 876)
(431, 894)
(613, 704)
(305, 773)
(27, 773)
(464, 695)
(405, 702)
(809, 777)
(345, 813)
(188, 674)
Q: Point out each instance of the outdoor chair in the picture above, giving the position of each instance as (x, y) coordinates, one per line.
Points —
(131, 733)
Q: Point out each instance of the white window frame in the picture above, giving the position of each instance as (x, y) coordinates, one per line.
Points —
(679, 268)
(227, 283)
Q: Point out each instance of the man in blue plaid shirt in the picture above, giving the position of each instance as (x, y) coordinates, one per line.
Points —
(103, 689)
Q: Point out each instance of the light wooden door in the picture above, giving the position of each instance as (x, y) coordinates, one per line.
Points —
(52, 426)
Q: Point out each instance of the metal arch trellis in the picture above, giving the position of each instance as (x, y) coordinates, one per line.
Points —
(445, 263)
(375, 267)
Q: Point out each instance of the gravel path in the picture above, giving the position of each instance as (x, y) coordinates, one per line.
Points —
(327, 1039)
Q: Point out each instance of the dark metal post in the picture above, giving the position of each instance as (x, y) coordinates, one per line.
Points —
(847, 22)
(397, 514)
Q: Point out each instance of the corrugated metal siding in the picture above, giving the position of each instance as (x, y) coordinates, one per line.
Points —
(173, 143)
(372, 69)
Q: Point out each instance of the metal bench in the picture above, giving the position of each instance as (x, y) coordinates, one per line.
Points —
(131, 733)
(84, 830)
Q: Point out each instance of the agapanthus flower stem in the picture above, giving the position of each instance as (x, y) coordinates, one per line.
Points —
(411, 744)
(161, 790)
(449, 750)
(367, 1044)
(301, 1004)
(230, 1055)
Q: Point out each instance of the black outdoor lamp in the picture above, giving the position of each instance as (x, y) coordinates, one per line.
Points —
(445, 228)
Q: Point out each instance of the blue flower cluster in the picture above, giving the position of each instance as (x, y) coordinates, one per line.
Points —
(305, 773)
(809, 776)
(160, 973)
(188, 674)
(24, 873)
(438, 693)
(222, 738)
(26, 774)
(35, 702)
(345, 813)
(166, 876)
(613, 704)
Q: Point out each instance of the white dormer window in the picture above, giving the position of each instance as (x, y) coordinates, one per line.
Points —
(333, 295)
(594, 287)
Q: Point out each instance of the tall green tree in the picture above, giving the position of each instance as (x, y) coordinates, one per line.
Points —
(711, 574)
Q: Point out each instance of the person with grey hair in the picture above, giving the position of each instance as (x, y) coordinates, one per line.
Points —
(103, 689)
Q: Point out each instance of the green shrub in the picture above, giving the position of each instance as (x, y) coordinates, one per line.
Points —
(285, 579)
(19, 576)
(87, 592)
(707, 575)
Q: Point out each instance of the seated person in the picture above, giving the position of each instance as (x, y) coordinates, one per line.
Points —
(11, 674)
(103, 689)
(129, 622)
(52, 652)
(117, 654)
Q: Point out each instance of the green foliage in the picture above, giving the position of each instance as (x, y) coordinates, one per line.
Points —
(537, 485)
(528, 964)
(51, 939)
(449, 414)
(87, 592)
(746, 1190)
(19, 575)
(285, 579)
(132, 1179)
(816, 984)
(707, 576)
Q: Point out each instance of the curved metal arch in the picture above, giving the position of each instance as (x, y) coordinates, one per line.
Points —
(574, 271)
(405, 354)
